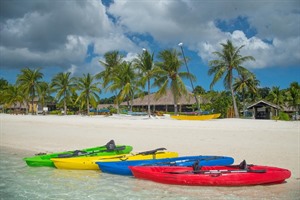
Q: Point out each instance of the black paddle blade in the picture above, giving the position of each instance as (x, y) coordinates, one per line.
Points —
(151, 151)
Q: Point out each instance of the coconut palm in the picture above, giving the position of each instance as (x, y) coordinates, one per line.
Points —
(113, 60)
(124, 81)
(88, 91)
(276, 96)
(63, 84)
(3, 86)
(229, 61)
(170, 76)
(245, 83)
(147, 70)
(44, 93)
(13, 94)
(30, 81)
(294, 96)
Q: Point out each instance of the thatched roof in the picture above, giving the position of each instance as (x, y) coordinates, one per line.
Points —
(262, 103)
(164, 100)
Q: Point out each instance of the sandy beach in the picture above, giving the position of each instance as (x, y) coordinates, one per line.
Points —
(263, 142)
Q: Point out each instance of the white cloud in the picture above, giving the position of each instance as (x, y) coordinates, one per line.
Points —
(192, 22)
(58, 33)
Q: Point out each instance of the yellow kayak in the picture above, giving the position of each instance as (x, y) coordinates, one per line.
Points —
(195, 117)
(89, 163)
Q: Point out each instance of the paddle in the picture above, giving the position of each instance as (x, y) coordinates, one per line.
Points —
(125, 157)
(242, 168)
(110, 146)
(151, 151)
(175, 163)
(218, 171)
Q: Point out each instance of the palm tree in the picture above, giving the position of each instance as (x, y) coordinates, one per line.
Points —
(13, 94)
(229, 60)
(170, 76)
(63, 84)
(112, 61)
(30, 81)
(88, 91)
(294, 96)
(44, 93)
(276, 96)
(124, 81)
(147, 70)
(3, 86)
(246, 83)
(111, 64)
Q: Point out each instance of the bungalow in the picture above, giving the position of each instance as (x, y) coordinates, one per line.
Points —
(263, 110)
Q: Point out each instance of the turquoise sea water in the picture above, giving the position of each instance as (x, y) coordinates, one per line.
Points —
(19, 181)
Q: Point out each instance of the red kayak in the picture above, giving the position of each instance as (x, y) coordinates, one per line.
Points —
(234, 175)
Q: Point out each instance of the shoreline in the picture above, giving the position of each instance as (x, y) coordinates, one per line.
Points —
(261, 142)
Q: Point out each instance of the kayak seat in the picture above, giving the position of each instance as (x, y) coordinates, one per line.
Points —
(243, 165)
(110, 146)
(196, 167)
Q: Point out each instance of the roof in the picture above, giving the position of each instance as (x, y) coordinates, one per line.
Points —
(262, 103)
(164, 100)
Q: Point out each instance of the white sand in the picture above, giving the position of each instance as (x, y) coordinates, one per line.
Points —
(263, 142)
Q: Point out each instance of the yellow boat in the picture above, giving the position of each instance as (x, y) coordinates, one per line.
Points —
(196, 117)
(216, 116)
(89, 163)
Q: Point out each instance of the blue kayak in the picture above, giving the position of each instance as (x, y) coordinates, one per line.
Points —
(122, 167)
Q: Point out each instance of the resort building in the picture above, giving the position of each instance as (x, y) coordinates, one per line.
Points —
(263, 110)
(165, 103)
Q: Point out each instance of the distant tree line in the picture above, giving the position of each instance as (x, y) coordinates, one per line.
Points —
(129, 80)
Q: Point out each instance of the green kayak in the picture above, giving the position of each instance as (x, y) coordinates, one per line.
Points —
(109, 149)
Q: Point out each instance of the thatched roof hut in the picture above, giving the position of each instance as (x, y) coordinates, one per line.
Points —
(164, 103)
(164, 100)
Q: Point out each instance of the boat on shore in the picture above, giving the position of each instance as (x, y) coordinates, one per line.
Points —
(234, 175)
(196, 117)
(89, 163)
(122, 167)
(110, 149)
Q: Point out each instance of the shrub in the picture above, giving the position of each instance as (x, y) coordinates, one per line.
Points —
(284, 116)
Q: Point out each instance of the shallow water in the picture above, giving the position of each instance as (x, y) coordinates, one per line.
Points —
(18, 182)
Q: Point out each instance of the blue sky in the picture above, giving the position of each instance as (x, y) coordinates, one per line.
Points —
(61, 36)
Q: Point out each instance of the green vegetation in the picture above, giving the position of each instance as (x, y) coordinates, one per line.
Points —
(229, 61)
(129, 80)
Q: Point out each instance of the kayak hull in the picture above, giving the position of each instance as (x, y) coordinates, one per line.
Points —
(45, 160)
(196, 117)
(122, 167)
(89, 163)
(233, 176)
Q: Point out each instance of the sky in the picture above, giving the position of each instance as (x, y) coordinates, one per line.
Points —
(73, 35)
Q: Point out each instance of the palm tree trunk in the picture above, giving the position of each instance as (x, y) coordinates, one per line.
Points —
(65, 103)
(131, 102)
(32, 110)
(244, 107)
(236, 113)
(27, 106)
(65, 106)
(175, 105)
(149, 111)
(88, 106)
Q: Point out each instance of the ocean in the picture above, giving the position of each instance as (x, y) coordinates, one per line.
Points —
(21, 182)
